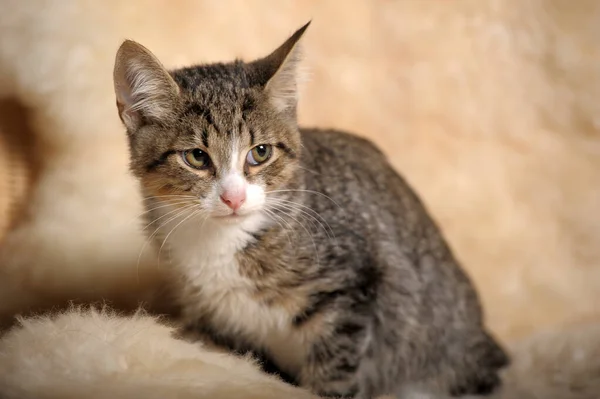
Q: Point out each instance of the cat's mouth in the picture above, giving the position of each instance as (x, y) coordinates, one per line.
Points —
(231, 217)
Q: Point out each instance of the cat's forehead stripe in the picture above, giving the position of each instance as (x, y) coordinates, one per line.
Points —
(252, 136)
(204, 137)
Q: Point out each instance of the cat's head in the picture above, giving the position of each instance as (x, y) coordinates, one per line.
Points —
(222, 135)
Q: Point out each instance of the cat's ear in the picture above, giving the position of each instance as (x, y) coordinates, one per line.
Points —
(281, 74)
(145, 91)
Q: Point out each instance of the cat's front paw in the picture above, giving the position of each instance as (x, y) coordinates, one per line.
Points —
(483, 384)
(481, 375)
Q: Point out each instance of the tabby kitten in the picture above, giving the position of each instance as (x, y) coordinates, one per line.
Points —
(302, 246)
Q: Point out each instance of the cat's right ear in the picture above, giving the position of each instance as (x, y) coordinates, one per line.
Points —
(144, 89)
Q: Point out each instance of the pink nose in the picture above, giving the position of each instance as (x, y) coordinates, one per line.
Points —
(233, 200)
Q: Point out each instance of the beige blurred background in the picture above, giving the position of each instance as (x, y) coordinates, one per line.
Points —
(490, 108)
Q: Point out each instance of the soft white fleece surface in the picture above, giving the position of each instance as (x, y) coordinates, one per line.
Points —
(100, 355)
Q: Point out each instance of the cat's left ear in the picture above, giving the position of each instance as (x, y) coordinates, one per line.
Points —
(279, 72)
(145, 90)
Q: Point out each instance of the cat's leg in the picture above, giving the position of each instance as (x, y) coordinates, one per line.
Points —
(333, 364)
(477, 373)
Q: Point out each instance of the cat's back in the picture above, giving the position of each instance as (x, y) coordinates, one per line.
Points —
(363, 201)
(331, 147)
(354, 171)
(366, 198)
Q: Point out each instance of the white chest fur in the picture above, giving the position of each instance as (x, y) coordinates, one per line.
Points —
(205, 254)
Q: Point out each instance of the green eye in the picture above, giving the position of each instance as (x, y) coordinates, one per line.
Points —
(259, 154)
(196, 158)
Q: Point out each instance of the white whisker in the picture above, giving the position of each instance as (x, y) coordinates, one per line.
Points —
(282, 206)
(309, 212)
(164, 204)
(149, 239)
(274, 206)
(278, 219)
(304, 191)
(172, 195)
(193, 214)
(168, 213)
(310, 170)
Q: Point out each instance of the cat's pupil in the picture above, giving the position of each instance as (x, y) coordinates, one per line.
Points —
(261, 151)
(198, 154)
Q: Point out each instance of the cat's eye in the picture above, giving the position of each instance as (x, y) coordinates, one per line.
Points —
(196, 158)
(259, 154)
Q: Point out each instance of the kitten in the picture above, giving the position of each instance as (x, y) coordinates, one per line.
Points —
(302, 246)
